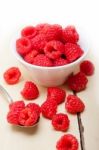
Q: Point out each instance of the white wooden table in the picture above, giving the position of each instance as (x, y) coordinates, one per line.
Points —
(14, 14)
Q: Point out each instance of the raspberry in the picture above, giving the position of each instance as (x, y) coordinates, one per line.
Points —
(30, 91)
(13, 117)
(67, 142)
(30, 56)
(17, 106)
(39, 42)
(60, 122)
(39, 27)
(42, 60)
(54, 49)
(57, 94)
(49, 108)
(28, 117)
(23, 46)
(77, 82)
(34, 107)
(60, 62)
(70, 34)
(12, 75)
(87, 67)
(73, 52)
(52, 32)
(29, 32)
(74, 104)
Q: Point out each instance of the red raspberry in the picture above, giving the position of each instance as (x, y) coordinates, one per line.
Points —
(42, 60)
(17, 106)
(30, 56)
(87, 67)
(57, 94)
(73, 52)
(13, 117)
(39, 42)
(60, 122)
(28, 117)
(39, 27)
(49, 108)
(54, 49)
(23, 46)
(52, 32)
(30, 91)
(60, 62)
(34, 107)
(74, 104)
(70, 34)
(67, 142)
(77, 82)
(12, 75)
(29, 32)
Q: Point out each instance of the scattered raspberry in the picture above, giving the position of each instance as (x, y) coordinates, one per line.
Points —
(30, 56)
(60, 122)
(60, 62)
(12, 75)
(67, 142)
(29, 32)
(42, 60)
(52, 32)
(77, 82)
(70, 34)
(49, 108)
(34, 107)
(57, 94)
(30, 91)
(39, 42)
(23, 46)
(74, 104)
(54, 49)
(13, 117)
(87, 67)
(17, 106)
(28, 117)
(73, 51)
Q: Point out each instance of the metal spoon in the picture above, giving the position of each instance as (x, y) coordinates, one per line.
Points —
(10, 100)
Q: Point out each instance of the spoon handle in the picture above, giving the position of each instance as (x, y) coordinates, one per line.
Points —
(9, 98)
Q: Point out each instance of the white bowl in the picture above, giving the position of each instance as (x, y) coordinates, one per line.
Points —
(52, 76)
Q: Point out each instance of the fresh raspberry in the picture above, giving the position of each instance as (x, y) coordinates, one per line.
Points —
(73, 51)
(29, 32)
(67, 142)
(42, 60)
(30, 91)
(52, 32)
(49, 108)
(12, 75)
(74, 104)
(28, 117)
(60, 62)
(87, 67)
(77, 82)
(60, 122)
(39, 27)
(70, 34)
(17, 106)
(39, 42)
(30, 56)
(57, 94)
(13, 117)
(54, 49)
(23, 46)
(34, 107)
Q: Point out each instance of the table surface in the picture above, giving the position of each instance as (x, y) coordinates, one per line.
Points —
(15, 14)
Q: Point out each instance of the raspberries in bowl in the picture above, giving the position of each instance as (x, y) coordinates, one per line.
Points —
(50, 52)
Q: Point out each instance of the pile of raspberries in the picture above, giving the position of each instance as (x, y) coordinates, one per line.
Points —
(49, 45)
(29, 115)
